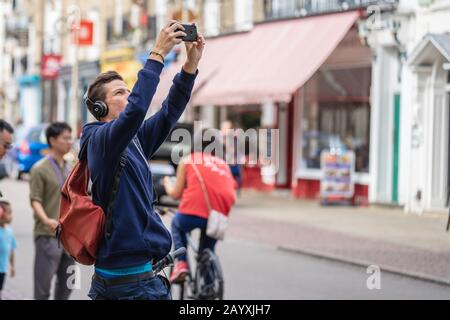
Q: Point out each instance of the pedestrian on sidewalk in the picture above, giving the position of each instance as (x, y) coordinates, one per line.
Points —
(47, 178)
(7, 244)
(136, 238)
(6, 133)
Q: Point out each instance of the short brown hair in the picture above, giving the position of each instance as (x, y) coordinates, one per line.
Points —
(96, 90)
(5, 205)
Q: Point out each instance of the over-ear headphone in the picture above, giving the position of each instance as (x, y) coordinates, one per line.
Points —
(99, 109)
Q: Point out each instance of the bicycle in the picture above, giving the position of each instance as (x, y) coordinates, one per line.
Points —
(205, 281)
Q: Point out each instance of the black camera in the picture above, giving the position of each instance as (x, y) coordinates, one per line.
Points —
(191, 32)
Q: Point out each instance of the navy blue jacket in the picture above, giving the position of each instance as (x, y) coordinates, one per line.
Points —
(138, 234)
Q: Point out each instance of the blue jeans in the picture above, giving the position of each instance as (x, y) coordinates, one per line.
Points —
(183, 224)
(155, 288)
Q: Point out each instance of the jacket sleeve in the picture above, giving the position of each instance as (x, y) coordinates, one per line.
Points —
(115, 136)
(156, 129)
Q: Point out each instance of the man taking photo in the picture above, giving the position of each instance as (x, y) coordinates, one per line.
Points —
(137, 238)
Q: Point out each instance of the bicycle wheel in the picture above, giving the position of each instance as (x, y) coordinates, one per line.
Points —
(209, 282)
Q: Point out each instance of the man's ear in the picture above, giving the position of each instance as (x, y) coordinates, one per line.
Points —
(51, 141)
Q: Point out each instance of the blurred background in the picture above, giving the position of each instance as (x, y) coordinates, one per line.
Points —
(367, 79)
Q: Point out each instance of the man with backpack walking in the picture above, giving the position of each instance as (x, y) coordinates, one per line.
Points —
(121, 141)
(47, 177)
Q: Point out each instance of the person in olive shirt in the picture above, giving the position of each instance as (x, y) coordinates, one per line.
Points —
(47, 178)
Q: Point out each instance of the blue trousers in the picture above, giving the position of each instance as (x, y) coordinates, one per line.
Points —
(183, 224)
(156, 288)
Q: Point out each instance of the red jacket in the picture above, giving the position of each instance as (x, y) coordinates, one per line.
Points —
(219, 184)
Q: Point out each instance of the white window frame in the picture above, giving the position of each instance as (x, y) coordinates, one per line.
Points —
(212, 17)
(243, 14)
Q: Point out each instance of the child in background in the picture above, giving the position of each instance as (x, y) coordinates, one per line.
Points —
(7, 243)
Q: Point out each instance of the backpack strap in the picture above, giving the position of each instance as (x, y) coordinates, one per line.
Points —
(114, 189)
(138, 145)
(203, 186)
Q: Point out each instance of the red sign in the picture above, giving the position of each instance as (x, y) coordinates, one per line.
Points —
(51, 64)
(86, 33)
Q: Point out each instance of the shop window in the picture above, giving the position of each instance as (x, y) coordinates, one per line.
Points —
(336, 116)
(245, 118)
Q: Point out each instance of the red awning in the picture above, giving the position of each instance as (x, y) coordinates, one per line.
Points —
(268, 63)
(207, 69)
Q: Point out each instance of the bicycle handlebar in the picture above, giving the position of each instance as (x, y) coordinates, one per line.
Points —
(164, 210)
(168, 260)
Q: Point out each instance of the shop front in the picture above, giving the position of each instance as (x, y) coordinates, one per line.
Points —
(311, 83)
(333, 115)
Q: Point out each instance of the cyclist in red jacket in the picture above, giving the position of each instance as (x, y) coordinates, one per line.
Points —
(193, 210)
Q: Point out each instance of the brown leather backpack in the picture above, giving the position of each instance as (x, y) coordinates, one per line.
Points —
(82, 223)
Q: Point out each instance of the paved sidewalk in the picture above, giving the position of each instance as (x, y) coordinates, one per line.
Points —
(412, 245)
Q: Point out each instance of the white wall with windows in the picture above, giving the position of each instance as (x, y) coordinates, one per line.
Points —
(425, 173)
(429, 138)
(161, 13)
(243, 14)
(211, 15)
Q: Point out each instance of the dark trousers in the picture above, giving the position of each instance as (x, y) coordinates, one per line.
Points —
(155, 288)
(51, 260)
(2, 281)
(183, 224)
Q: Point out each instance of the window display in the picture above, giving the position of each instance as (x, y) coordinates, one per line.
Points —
(336, 116)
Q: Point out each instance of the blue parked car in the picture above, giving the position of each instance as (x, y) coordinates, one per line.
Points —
(30, 146)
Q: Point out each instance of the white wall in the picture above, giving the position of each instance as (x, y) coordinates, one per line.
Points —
(93, 52)
(161, 12)
(417, 160)
(52, 41)
(212, 17)
(424, 118)
(243, 14)
(118, 18)
(30, 109)
(405, 153)
(2, 40)
(208, 116)
(384, 87)
(436, 188)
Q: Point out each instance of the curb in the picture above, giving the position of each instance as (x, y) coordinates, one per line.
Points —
(365, 264)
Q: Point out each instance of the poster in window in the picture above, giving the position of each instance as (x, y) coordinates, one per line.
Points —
(337, 185)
